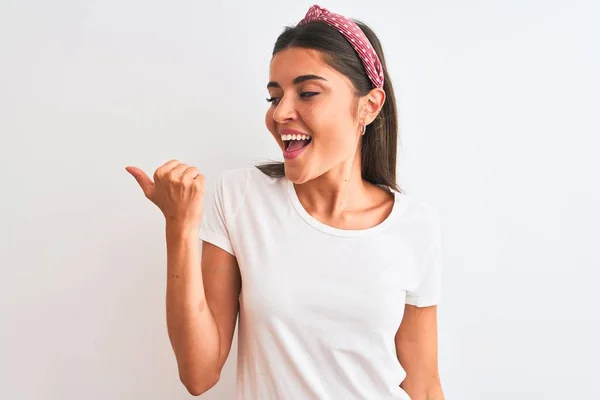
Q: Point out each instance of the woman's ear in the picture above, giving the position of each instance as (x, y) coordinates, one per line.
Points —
(372, 105)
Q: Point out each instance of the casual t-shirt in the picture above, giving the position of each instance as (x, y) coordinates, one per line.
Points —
(320, 306)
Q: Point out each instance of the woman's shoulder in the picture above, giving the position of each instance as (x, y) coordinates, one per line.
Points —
(245, 187)
(419, 208)
(240, 182)
(234, 175)
(242, 175)
(421, 215)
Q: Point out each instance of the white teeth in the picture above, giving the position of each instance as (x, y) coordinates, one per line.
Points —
(295, 137)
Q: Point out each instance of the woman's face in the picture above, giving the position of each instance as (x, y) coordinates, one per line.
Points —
(308, 97)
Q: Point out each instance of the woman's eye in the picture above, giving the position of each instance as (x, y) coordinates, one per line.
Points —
(276, 100)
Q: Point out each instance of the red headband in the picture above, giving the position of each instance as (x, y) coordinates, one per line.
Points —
(354, 35)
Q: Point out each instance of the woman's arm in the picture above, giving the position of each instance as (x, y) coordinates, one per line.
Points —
(417, 351)
(202, 306)
(202, 288)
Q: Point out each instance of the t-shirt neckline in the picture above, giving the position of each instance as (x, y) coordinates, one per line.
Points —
(397, 208)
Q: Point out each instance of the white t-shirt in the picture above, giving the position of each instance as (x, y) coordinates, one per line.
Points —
(320, 306)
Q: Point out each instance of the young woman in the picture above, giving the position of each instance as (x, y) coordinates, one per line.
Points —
(334, 271)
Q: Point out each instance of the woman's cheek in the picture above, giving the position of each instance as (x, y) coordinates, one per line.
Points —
(269, 122)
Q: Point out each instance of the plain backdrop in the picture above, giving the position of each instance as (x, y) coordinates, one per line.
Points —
(498, 105)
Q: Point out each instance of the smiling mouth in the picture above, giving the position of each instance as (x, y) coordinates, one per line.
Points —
(296, 144)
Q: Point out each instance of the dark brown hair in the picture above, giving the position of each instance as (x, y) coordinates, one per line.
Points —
(379, 143)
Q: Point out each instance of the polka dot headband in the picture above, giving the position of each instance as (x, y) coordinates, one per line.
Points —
(354, 35)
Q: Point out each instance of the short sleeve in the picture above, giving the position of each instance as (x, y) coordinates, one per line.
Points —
(427, 292)
(213, 228)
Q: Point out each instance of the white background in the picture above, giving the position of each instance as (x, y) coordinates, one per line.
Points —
(498, 107)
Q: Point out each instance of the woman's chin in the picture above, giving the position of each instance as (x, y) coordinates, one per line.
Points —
(295, 173)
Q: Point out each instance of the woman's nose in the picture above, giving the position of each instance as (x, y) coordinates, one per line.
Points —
(284, 111)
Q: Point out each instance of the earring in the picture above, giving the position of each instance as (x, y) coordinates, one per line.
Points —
(364, 129)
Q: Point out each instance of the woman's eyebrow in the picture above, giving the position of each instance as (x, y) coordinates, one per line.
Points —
(300, 79)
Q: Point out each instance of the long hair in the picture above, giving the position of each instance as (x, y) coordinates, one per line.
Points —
(379, 143)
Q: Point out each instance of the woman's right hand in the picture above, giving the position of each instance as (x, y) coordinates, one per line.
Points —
(178, 190)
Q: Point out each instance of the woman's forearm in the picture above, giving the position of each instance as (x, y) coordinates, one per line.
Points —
(191, 326)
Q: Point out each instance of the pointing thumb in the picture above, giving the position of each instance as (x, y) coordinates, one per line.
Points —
(142, 179)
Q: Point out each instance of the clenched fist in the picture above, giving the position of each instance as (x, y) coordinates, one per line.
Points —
(178, 190)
